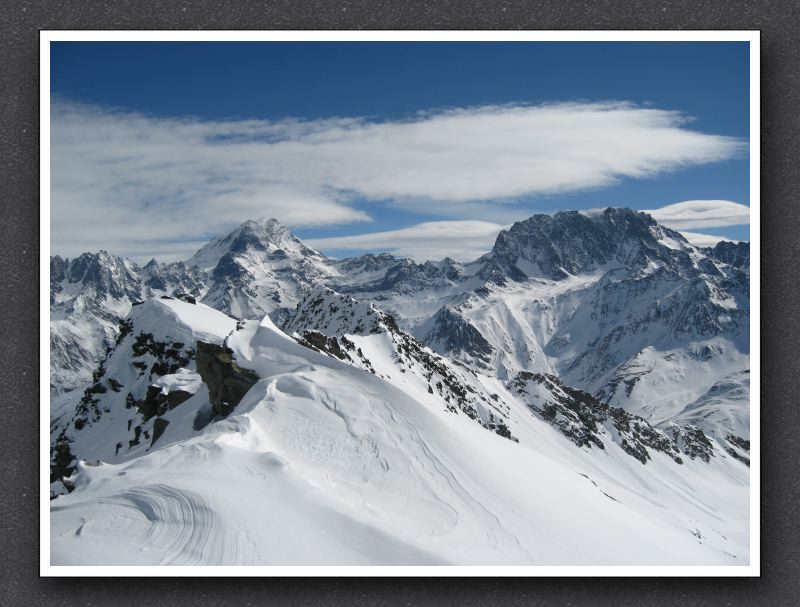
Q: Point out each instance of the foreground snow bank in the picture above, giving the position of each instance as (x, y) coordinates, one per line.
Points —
(327, 464)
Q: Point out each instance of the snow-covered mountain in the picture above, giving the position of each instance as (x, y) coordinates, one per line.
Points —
(259, 267)
(388, 411)
(256, 269)
(207, 440)
(611, 303)
(89, 296)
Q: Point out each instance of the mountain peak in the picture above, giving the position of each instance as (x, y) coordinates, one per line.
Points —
(262, 236)
(574, 242)
(266, 220)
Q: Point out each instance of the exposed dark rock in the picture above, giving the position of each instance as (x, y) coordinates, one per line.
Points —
(580, 416)
(156, 403)
(739, 442)
(570, 242)
(227, 382)
(318, 342)
(125, 328)
(62, 462)
(158, 429)
(169, 355)
(737, 448)
(451, 332)
(735, 254)
(137, 432)
(693, 442)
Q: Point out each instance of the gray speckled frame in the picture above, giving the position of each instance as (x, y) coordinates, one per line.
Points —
(19, 165)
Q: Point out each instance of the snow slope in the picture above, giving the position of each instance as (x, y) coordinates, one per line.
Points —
(324, 462)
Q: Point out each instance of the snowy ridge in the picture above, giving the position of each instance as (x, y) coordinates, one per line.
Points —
(137, 388)
(332, 314)
(370, 339)
(89, 296)
(323, 462)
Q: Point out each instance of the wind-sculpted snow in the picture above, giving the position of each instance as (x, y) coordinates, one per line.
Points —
(160, 523)
(323, 462)
(147, 389)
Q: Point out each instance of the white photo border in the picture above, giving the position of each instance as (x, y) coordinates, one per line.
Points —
(753, 37)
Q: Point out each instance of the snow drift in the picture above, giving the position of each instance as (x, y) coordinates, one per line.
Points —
(326, 462)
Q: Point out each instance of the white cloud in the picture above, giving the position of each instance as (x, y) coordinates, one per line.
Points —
(461, 240)
(704, 240)
(121, 180)
(693, 214)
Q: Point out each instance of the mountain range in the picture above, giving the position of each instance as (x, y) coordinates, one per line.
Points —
(600, 353)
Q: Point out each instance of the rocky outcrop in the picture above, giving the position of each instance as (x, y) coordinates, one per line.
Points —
(586, 421)
(227, 382)
(735, 254)
(158, 429)
(156, 403)
(452, 333)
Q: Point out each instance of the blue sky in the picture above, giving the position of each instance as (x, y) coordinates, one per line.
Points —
(688, 101)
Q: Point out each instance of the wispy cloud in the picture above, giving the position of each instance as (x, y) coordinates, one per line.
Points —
(704, 240)
(693, 214)
(460, 240)
(128, 182)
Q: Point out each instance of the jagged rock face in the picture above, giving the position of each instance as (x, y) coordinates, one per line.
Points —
(264, 235)
(367, 264)
(62, 461)
(735, 254)
(450, 332)
(332, 314)
(387, 274)
(227, 382)
(659, 310)
(138, 389)
(156, 403)
(573, 243)
(406, 276)
(738, 448)
(692, 441)
(586, 421)
(611, 303)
